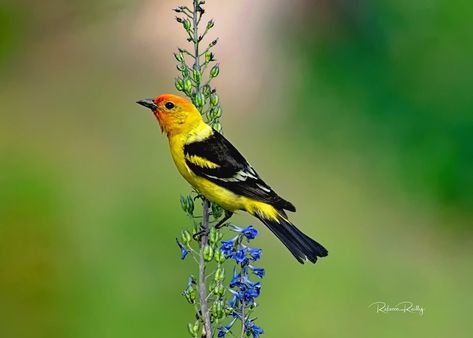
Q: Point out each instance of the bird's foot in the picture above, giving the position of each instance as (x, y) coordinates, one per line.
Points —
(225, 218)
(198, 236)
(221, 225)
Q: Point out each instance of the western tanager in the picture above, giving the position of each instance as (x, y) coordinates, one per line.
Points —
(213, 166)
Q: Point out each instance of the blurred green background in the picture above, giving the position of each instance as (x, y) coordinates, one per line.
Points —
(360, 112)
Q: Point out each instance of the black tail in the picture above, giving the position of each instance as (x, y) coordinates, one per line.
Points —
(300, 245)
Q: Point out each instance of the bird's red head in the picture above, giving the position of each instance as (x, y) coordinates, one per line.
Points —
(175, 114)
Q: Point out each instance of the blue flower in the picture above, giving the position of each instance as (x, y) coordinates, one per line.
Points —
(253, 329)
(252, 291)
(240, 257)
(189, 292)
(184, 251)
(249, 232)
(255, 253)
(236, 278)
(227, 247)
(243, 290)
(232, 302)
(222, 331)
(258, 271)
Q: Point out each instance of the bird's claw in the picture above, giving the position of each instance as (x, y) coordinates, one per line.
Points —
(222, 225)
(198, 236)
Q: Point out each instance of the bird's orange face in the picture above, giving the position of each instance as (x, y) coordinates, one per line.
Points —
(174, 113)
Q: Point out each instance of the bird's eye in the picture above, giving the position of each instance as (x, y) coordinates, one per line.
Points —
(169, 105)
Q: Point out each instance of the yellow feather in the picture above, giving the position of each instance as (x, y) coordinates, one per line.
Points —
(213, 192)
(201, 162)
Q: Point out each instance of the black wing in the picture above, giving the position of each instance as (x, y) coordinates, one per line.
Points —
(230, 170)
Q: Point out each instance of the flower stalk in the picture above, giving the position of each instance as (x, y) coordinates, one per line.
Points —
(204, 307)
(208, 294)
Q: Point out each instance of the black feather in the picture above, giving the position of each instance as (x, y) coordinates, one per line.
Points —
(231, 166)
(300, 245)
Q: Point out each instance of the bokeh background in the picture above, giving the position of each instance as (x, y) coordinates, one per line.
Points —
(360, 112)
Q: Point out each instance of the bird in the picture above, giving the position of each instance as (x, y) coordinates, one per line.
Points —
(218, 171)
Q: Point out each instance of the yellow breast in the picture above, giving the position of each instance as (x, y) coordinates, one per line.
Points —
(210, 190)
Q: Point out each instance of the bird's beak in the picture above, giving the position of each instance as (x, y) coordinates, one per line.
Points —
(148, 103)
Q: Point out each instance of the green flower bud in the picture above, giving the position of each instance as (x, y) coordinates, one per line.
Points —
(219, 290)
(184, 203)
(179, 85)
(212, 113)
(212, 286)
(188, 86)
(213, 236)
(186, 237)
(193, 330)
(196, 326)
(187, 24)
(190, 205)
(218, 310)
(208, 253)
(213, 43)
(195, 229)
(179, 57)
(207, 90)
(228, 311)
(209, 56)
(215, 71)
(218, 112)
(213, 310)
(217, 126)
(199, 100)
(190, 295)
(210, 24)
(219, 255)
(219, 274)
(214, 99)
(197, 76)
